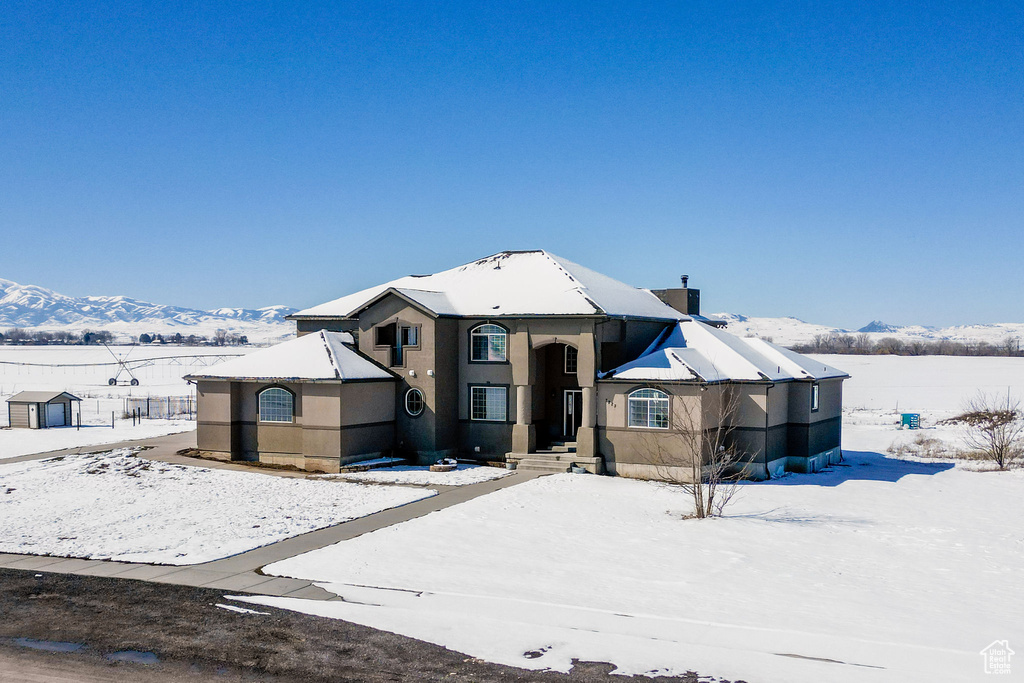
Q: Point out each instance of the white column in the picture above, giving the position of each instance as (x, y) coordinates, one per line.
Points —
(589, 407)
(524, 405)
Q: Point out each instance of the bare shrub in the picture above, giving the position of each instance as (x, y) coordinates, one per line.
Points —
(923, 446)
(994, 427)
(698, 454)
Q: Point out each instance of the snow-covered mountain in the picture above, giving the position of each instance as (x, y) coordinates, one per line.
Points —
(784, 331)
(790, 331)
(879, 326)
(38, 308)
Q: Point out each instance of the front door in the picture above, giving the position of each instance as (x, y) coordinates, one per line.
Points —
(33, 415)
(572, 412)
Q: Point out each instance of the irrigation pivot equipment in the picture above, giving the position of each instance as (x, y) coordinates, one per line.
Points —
(123, 366)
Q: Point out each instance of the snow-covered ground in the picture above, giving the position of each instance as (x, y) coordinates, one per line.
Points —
(119, 506)
(422, 476)
(882, 569)
(15, 442)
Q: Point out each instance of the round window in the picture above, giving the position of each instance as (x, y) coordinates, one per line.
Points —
(414, 402)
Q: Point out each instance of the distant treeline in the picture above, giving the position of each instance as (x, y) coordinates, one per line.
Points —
(18, 336)
(862, 344)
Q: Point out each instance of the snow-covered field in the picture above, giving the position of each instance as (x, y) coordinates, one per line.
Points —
(880, 570)
(422, 476)
(84, 372)
(86, 369)
(119, 506)
(936, 387)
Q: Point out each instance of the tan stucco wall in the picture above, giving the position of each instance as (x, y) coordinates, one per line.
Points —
(318, 438)
(637, 452)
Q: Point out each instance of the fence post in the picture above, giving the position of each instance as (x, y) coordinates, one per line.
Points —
(111, 419)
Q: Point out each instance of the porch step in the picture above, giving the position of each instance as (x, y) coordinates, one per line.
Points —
(554, 461)
(562, 447)
(533, 465)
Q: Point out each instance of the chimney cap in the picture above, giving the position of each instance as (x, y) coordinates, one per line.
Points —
(684, 278)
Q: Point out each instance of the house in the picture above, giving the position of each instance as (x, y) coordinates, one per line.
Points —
(520, 356)
(40, 409)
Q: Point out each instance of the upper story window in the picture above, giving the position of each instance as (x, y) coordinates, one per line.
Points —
(648, 408)
(488, 343)
(815, 395)
(277, 405)
(571, 360)
(397, 336)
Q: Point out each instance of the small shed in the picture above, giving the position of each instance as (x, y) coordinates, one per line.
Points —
(40, 409)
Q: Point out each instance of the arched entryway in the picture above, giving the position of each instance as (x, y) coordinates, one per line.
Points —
(557, 396)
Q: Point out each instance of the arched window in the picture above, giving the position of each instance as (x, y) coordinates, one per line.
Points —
(414, 402)
(648, 408)
(487, 343)
(277, 405)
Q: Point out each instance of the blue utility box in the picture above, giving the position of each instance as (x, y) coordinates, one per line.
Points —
(911, 421)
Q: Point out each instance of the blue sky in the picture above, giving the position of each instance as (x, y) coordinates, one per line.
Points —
(836, 162)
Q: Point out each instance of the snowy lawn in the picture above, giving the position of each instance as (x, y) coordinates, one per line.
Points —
(15, 442)
(422, 476)
(119, 506)
(900, 570)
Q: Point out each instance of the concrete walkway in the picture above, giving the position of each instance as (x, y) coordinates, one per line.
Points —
(241, 573)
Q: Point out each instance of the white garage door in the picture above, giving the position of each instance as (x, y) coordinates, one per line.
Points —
(55, 415)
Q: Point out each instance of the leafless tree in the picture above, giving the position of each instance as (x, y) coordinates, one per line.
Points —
(889, 345)
(698, 453)
(1011, 345)
(994, 427)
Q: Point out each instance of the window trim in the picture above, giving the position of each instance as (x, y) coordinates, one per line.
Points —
(565, 361)
(648, 400)
(473, 333)
(503, 387)
(815, 397)
(423, 402)
(259, 405)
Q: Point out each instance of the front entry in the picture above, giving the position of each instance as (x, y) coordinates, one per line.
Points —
(572, 412)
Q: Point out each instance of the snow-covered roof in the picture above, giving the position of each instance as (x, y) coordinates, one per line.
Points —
(322, 355)
(39, 396)
(693, 351)
(510, 283)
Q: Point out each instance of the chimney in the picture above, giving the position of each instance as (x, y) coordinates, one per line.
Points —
(683, 299)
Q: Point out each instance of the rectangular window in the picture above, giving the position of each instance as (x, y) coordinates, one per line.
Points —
(488, 403)
(571, 358)
(814, 397)
(410, 335)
